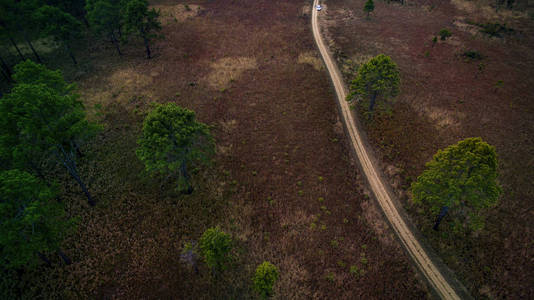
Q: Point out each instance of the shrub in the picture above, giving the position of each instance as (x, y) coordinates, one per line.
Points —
(215, 246)
(264, 279)
(472, 54)
(444, 34)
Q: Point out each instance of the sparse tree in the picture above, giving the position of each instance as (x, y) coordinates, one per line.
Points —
(62, 26)
(460, 180)
(142, 22)
(215, 246)
(264, 279)
(378, 77)
(32, 224)
(369, 7)
(173, 141)
(105, 19)
(39, 124)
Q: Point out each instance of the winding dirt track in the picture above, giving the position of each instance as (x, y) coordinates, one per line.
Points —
(433, 273)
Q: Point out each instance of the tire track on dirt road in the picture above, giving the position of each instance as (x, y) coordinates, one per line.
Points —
(432, 271)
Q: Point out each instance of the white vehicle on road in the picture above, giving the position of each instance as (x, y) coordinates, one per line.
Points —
(318, 7)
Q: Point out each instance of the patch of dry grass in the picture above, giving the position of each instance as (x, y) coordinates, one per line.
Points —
(177, 13)
(483, 8)
(228, 69)
(311, 59)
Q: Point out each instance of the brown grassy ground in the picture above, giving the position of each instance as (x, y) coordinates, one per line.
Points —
(283, 183)
(444, 99)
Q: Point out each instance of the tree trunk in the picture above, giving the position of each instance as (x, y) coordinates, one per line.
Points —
(373, 101)
(84, 188)
(16, 47)
(78, 151)
(33, 49)
(5, 67)
(147, 48)
(185, 174)
(8, 79)
(44, 258)
(116, 43)
(442, 215)
(70, 53)
(64, 257)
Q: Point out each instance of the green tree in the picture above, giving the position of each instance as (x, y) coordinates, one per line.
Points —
(172, 141)
(32, 73)
(462, 180)
(105, 19)
(142, 22)
(39, 124)
(62, 26)
(215, 246)
(264, 279)
(369, 7)
(32, 224)
(379, 76)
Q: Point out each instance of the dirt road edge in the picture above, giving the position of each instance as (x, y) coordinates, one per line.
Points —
(444, 284)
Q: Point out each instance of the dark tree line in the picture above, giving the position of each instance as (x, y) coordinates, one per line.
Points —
(22, 22)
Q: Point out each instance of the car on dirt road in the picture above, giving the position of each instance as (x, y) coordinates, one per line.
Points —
(318, 7)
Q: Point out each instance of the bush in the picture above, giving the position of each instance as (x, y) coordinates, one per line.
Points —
(215, 246)
(264, 278)
(444, 34)
(472, 54)
(495, 29)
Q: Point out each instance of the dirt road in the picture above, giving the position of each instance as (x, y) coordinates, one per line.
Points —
(425, 264)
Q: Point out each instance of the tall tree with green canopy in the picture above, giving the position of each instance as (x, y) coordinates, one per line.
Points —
(215, 246)
(62, 26)
(173, 141)
(369, 7)
(16, 17)
(32, 224)
(460, 180)
(378, 77)
(264, 279)
(32, 73)
(141, 21)
(39, 124)
(105, 19)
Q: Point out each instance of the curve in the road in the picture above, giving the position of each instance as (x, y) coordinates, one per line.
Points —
(425, 264)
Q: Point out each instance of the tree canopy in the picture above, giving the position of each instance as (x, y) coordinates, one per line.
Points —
(172, 141)
(31, 222)
(28, 72)
(378, 77)
(462, 179)
(215, 246)
(39, 124)
(369, 7)
(264, 279)
(142, 22)
(105, 19)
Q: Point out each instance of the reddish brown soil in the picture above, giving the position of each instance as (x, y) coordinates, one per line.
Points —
(444, 99)
(281, 148)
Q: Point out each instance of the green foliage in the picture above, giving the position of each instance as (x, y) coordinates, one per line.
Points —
(264, 279)
(141, 21)
(472, 55)
(172, 141)
(29, 72)
(62, 26)
(462, 177)
(444, 34)
(495, 29)
(434, 40)
(215, 246)
(369, 7)
(31, 221)
(38, 123)
(379, 76)
(105, 18)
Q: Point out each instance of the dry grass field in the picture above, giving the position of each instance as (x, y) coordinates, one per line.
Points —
(445, 97)
(283, 183)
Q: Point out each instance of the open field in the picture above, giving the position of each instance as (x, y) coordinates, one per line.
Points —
(283, 183)
(446, 97)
